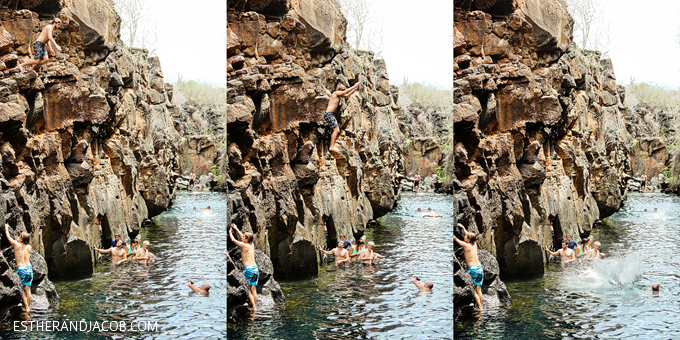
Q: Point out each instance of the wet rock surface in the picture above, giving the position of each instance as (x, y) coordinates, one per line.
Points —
(540, 133)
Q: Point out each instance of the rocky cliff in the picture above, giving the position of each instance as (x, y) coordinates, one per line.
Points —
(90, 134)
(285, 58)
(539, 131)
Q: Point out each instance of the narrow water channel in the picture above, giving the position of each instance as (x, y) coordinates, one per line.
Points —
(189, 245)
(378, 302)
(603, 299)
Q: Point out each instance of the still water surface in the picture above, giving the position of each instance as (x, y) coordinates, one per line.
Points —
(188, 244)
(604, 299)
(378, 302)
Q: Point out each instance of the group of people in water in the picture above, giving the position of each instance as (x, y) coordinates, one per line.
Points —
(122, 253)
(572, 251)
(347, 253)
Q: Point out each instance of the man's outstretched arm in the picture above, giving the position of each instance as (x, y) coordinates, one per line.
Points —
(13, 242)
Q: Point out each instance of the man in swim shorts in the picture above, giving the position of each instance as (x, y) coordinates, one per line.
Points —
(250, 270)
(416, 183)
(474, 266)
(39, 51)
(329, 115)
(22, 255)
(643, 182)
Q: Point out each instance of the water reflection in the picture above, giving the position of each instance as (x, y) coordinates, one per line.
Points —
(189, 245)
(379, 301)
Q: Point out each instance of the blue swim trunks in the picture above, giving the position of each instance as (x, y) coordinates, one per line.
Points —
(25, 274)
(477, 274)
(252, 274)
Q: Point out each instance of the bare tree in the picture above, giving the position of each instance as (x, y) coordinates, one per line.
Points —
(138, 29)
(363, 31)
(591, 30)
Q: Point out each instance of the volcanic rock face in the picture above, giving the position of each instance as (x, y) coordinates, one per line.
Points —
(91, 134)
(539, 131)
(285, 58)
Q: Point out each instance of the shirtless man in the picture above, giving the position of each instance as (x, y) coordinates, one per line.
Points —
(204, 289)
(430, 215)
(474, 266)
(595, 252)
(341, 254)
(368, 255)
(655, 289)
(416, 183)
(22, 255)
(643, 182)
(250, 270)
(427, 287)
(143, 254)
(39, 52)
(329, 115)
(117, 253)
(567, 255)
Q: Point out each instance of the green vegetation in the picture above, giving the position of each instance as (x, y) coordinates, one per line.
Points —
(204, 94)
(429, 96)
(217, 172)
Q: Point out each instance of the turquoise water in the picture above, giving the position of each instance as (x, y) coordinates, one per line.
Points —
(604, 299)
(378, 302)
(189, 245)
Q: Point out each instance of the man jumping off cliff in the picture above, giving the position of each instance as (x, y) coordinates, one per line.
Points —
(329, 115)
(22, 255)
(39, 51)
(474, 266)
(250, 270)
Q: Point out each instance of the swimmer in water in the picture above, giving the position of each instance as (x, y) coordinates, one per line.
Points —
(645, 210)
(655, 210)
(429, 215)
(204, 289)
(655, 289)
(427, 287)
(341, 254)
(566, 254)
(595, 252)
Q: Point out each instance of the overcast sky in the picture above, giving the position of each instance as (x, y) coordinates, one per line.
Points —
(191, 39)
(418, 40)
(644, 41)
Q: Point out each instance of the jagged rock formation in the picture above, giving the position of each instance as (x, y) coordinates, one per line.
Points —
(539, 131)
(284, 60)
(91, 134)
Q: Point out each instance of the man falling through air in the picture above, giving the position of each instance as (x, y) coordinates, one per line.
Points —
(329, 115)
(39, 51)
(250, 270)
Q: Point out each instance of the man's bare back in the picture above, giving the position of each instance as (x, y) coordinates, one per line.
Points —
(248, 255)
(22, 252)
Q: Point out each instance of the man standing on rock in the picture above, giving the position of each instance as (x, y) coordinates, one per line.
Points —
(117, 253)
(567, 255)
(416, 183)
(329, 115)
(643, 182)
(472, 261)
(22, 255)
(192, 180)
(250, 270)
(39, 51)
(341, 254)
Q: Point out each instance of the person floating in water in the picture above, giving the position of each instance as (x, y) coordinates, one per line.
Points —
(329, 115)
(22, 256)
(204, 289)
(566, 255)
(39, 51)
(368, 255)
(416, 183)
(341, 254)
(655, 289)
(655, 210)
(474, 269)
(250, 270)
(427, 287)
(117, 253)
(430, 215)
(192, 180)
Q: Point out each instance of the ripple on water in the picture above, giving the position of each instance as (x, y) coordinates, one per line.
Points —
(604, 299)
(189, 244)
(377, 302)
